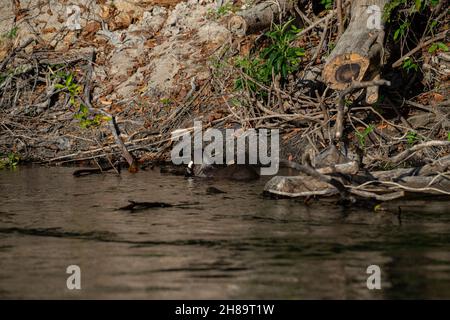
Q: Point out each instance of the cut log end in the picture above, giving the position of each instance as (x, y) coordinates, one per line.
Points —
(238, 26)
(358, 49)
(345, 69)
(258, 17)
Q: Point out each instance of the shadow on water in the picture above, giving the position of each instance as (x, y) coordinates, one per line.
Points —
(230, 244)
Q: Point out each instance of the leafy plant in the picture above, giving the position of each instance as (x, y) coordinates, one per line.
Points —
(2, 78)
(412, 138)
(254, 69)
(327, 3)
(74, 89)
(69, 85)
(166, 102)
(278, 58)
(280, 55)
(11, 34)
(10, 162)
(438, 46)
(86, 119)
(362, 135)
(409, 64)
(403, 12)
(402, 30)
(222, 10)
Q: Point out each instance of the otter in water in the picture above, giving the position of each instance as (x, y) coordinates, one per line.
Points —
(232, 171)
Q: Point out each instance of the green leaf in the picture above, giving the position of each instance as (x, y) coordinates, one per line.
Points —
(418, 5)
(442, 46)
(396, 34)
(69, 80)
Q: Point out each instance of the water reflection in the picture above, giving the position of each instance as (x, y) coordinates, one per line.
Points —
(231, 245)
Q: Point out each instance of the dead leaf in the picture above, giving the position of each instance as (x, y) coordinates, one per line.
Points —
(105, 101)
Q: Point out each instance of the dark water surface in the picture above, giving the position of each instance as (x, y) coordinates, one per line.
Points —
(233, 245)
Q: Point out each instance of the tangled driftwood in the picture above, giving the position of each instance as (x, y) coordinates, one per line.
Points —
(431, 179)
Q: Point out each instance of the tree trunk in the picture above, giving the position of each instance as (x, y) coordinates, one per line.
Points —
(258, 17)
(357, 55)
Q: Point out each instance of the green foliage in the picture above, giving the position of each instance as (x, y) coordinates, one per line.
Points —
(412, 138)
(2, 78)
(438, 46)
(327, 3)
(279, 58)
(226, 8)
(408, 7)
(401, 14)
(10, 162)
(69, 85)
(256, 69)
(448, 136)
(347, 102)
(362, 136)
(403, 11)
(166, 102)
(74, 89)
(11, 34)
(409, 64)
(402, 30)
(433, 25)
(222, 10)
(86, 119)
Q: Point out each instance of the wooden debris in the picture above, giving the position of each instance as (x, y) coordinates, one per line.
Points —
(258, 17)
(378, 185)
(357, 49)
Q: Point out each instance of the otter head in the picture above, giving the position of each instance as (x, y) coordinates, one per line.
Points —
(190, 169)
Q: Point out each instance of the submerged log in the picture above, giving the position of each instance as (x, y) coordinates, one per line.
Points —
(298, 186)
(359, 49)
(258, 17)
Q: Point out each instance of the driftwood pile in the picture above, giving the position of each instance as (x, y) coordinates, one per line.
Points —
(351, 183)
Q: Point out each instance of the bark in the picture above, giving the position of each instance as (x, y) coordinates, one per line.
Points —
(378, 185)
(258, 17)
(358, 50)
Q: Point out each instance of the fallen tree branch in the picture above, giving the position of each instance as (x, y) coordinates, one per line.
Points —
(341, 102)
(421, 45)
(328, 17)
(111, 120)
(351, 167)
(14, 51)
(258, 17)
(339, 18)
(426, 189)
(405, 154)
(89, 171)
(379, 197)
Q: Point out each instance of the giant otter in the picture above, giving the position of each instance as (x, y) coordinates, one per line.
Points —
(232, 171)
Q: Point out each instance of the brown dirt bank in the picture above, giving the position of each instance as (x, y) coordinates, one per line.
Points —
(160, 65)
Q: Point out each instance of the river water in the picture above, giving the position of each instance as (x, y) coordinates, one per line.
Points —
(215, 246)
